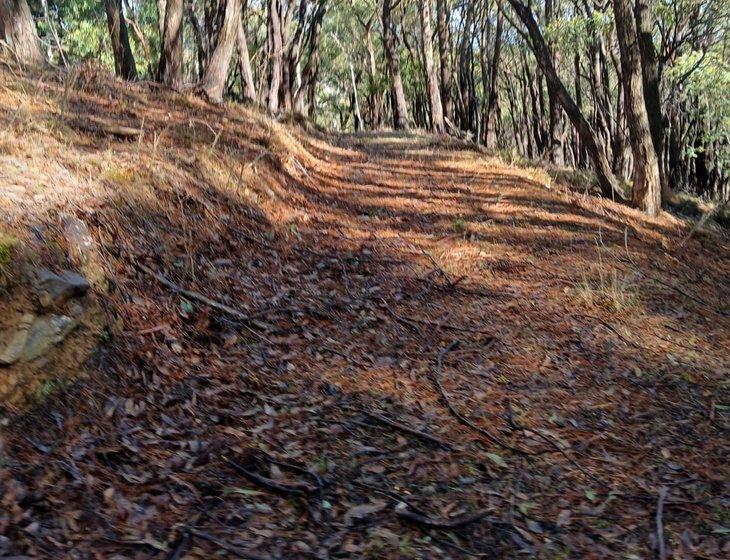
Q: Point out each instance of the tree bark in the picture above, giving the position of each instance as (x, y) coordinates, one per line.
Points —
(171, 53)
(161, 6)
(244, 61)
(651, 75)
(400, 109)
(275, 55)
(124, 65)
(492, 117)
(434, 95)
(608, 183)
(444, 39)
(554, 111)
(18, 32)
(216, 72)
(646, 194)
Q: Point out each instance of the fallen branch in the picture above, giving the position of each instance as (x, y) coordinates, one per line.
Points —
(403, 512)
(461, 418)
(410, 321)
(195, 295)
(95, 126)
(661, 282)
(295, 488)
(409, 430)
(239, 552)
(614, 330)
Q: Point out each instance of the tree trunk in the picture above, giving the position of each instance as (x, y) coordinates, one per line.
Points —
(647, 186)
(124, 65)
(492, 117)
(216, 73)
(400, 108)
(161, 6)
(606, 180)
(171, 53)
(651, 76)
(442, 29)
(467, 87)
(18, 32)
(201, 44)
(244, 61)
(434, 95)
(554, 112)
(275, 55)
(311, 68)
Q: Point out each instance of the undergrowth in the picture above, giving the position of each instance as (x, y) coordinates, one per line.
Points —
(8, 247)
(611, 292)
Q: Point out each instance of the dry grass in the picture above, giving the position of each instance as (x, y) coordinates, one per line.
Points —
(614, 292)
(8, 247)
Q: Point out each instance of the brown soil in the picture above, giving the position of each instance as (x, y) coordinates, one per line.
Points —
(582, 342)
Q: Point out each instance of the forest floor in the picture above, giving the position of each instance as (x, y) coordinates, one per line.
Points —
(424, 352)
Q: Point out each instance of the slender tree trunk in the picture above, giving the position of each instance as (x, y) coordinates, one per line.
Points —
(275, 55)
(466, 74)
(434, 95)
(647, 186)
(244, 61)
(606, 179)
(493, 115)
(554, 111)
(161, 6)
(171, 53)
(400, 109)
(355, 99)
(374, 98)
(124, 65)
(201, 44)
(651, 75)
(444, 39)
(216, 73)
(18, 32)
(311, 68)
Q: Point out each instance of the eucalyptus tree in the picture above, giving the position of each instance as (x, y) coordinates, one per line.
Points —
(18, 32)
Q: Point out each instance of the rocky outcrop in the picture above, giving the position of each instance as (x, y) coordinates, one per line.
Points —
(16, 340)
(50, 321)
(54, 289)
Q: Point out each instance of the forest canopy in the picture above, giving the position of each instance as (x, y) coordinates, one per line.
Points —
(633, 90)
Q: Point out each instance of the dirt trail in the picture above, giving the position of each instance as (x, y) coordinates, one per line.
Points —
(444, 358)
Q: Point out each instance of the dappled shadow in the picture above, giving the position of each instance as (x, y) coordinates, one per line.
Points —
(357, 265)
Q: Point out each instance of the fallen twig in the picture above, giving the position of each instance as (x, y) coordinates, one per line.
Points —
(437, 523)
(661, 282)
(663, 491)
(195, 295)
(409, 430)
(614, 330)
(296, 488)
(461, 418)
(449, 326)
(225, 546)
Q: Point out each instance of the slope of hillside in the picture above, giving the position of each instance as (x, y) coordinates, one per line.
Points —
(371, 346)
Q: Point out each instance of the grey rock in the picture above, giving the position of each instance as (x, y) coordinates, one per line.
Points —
(16, 341)
(82, 247)
(54, 289)
(45, 332)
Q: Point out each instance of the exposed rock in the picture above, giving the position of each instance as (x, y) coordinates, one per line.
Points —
(82, 247)
(46, 332)
(54, 289)
(83, 250)
(16, 341)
